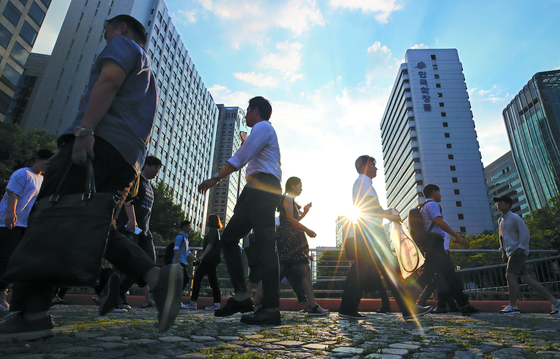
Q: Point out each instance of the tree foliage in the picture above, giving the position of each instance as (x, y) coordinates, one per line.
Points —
(166, 216)
(18, 149)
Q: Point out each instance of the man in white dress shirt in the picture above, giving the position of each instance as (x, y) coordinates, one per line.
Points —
(514, 239)
(255, 210)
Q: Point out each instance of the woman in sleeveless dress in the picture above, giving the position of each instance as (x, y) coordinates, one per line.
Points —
(291, 243)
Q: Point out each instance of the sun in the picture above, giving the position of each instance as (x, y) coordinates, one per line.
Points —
(354, 214)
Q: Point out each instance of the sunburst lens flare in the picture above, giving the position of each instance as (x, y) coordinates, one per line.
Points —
(354, 214)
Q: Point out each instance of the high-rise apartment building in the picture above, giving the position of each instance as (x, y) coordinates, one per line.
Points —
(428, 136)
(223, 197)
(502, 179)
(20, 23)
(532, 121)
(342, 229)
(185, 125)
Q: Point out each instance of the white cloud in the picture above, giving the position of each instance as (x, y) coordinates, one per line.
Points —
(247, 20)
(495, 94)
(222, 95)
(257, 79)
(287, 60)
(421, 46)
(383, 66)
(484, 92)
(382, 8)
(185, 17)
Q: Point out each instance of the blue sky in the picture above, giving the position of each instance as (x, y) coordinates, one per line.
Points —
(328, 68)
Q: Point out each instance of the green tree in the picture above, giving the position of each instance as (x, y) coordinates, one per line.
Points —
(166, 216)
(544, 226)
(18, 150)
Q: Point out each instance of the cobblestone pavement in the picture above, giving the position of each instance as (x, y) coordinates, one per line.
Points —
(198, 334)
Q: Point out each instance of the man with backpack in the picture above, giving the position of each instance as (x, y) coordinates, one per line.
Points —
(437, 261)
(181, 251)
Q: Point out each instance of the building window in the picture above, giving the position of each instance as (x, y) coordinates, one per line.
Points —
(441, 104)
(48, 2)
(454, 179)
(452, 168)
(450, 157)
(434, 67)
(12, 13)
(458, 204)
(445, 124)
(19, 54)
(463, 229)
(36, 13)
(461, 216)
(29, 34)
(24, 2)
(436, 76)
(444, 114)
(438, 86)
(439, 94)
(456, 191)
(10, 77)
(5, 36)
(433, 57)
(447, 135)
(448, 145)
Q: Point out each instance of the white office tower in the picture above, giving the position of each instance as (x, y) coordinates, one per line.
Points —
(428, 136)
(185, 124)
(223, 197)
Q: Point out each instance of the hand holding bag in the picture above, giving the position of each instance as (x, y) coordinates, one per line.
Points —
(66, 238)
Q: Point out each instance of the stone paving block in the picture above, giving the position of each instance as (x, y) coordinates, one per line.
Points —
(254, 336)
(508, 353)
(113, 346)
(75, 350)
(548, 354)
(469, 354)
(110, 339)
(85, 335)
(382, 356)
(290, 343)
(173, 339)
(201, 338)
(227, 338)
(348, 350)
(409, 346)
(492, 344)
(393, 351)
(141, 341)
(315, 346)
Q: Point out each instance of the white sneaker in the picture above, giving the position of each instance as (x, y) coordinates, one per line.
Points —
(191, 306)
(213, 307)
(119, 310)
(556, 308)
(508, 309)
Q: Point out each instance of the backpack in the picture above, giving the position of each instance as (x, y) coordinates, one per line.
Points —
(416, 227)
(170, 253)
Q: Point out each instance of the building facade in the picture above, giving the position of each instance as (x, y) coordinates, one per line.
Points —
(223, 197)
(532, 121)
(342, 229)
(428, 136)
(185, 124)
(502, 179)
(20, 23)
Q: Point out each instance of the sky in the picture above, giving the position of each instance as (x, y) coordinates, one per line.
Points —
(328, 68)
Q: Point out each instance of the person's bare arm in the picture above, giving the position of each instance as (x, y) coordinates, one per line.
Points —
(211, 182)
(288, 207)
(11, 216)
(446, 228)
(131, 224)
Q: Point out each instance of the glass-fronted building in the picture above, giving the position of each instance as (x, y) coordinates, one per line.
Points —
(428, 136)
(20, 23)
(223, 197)
(502, 179)
(185, 124)
(532, 121)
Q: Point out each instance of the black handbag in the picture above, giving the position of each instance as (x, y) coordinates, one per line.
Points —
(65, 241)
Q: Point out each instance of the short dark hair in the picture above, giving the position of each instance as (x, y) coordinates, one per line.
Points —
(262, 104)
(152, 161)
(138, 30)
(291, 182)
(44, 154)
(214, 221)
(362, 161)
(429, 189)
(184, 223)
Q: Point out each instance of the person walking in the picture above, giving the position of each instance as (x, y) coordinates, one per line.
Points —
(209, 260)
(514, 244)
(255, 210)
(112, 129)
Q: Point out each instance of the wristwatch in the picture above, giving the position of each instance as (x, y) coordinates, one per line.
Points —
(216, 176)
(82, 132)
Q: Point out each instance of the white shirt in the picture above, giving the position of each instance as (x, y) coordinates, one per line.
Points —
(430, 211)
(260, 150)
(514, 233)
(25, 184)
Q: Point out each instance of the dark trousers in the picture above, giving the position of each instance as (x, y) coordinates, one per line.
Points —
(438, 266)
(208, 269)
(113, 175)
(186, 277)
(255, 210)
(147, 245)
(9, 239)
(295, 276)
(372, 260)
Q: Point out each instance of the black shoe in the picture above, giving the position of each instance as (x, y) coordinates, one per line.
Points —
(469, 309)
(455, 309)
(351, 316)
(384, 310)
(17, 327)
(234, 306)
(167, 295)
(440, 310)
(262, 317)
(418, 312)
(109, 296)
(123, 304)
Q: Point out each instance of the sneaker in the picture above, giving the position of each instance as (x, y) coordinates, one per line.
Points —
(118, 310)
(109, 296)
(440, 310)
(190, 305)
(469, 310)
(167, 295)
(123, 304)
(234, 306)
(508, 309)
(316, 310)
(418, 312)
(57, 300)
(16, 327)
(262, 317)
(556, 308)
(351, 316)
(213, 307)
